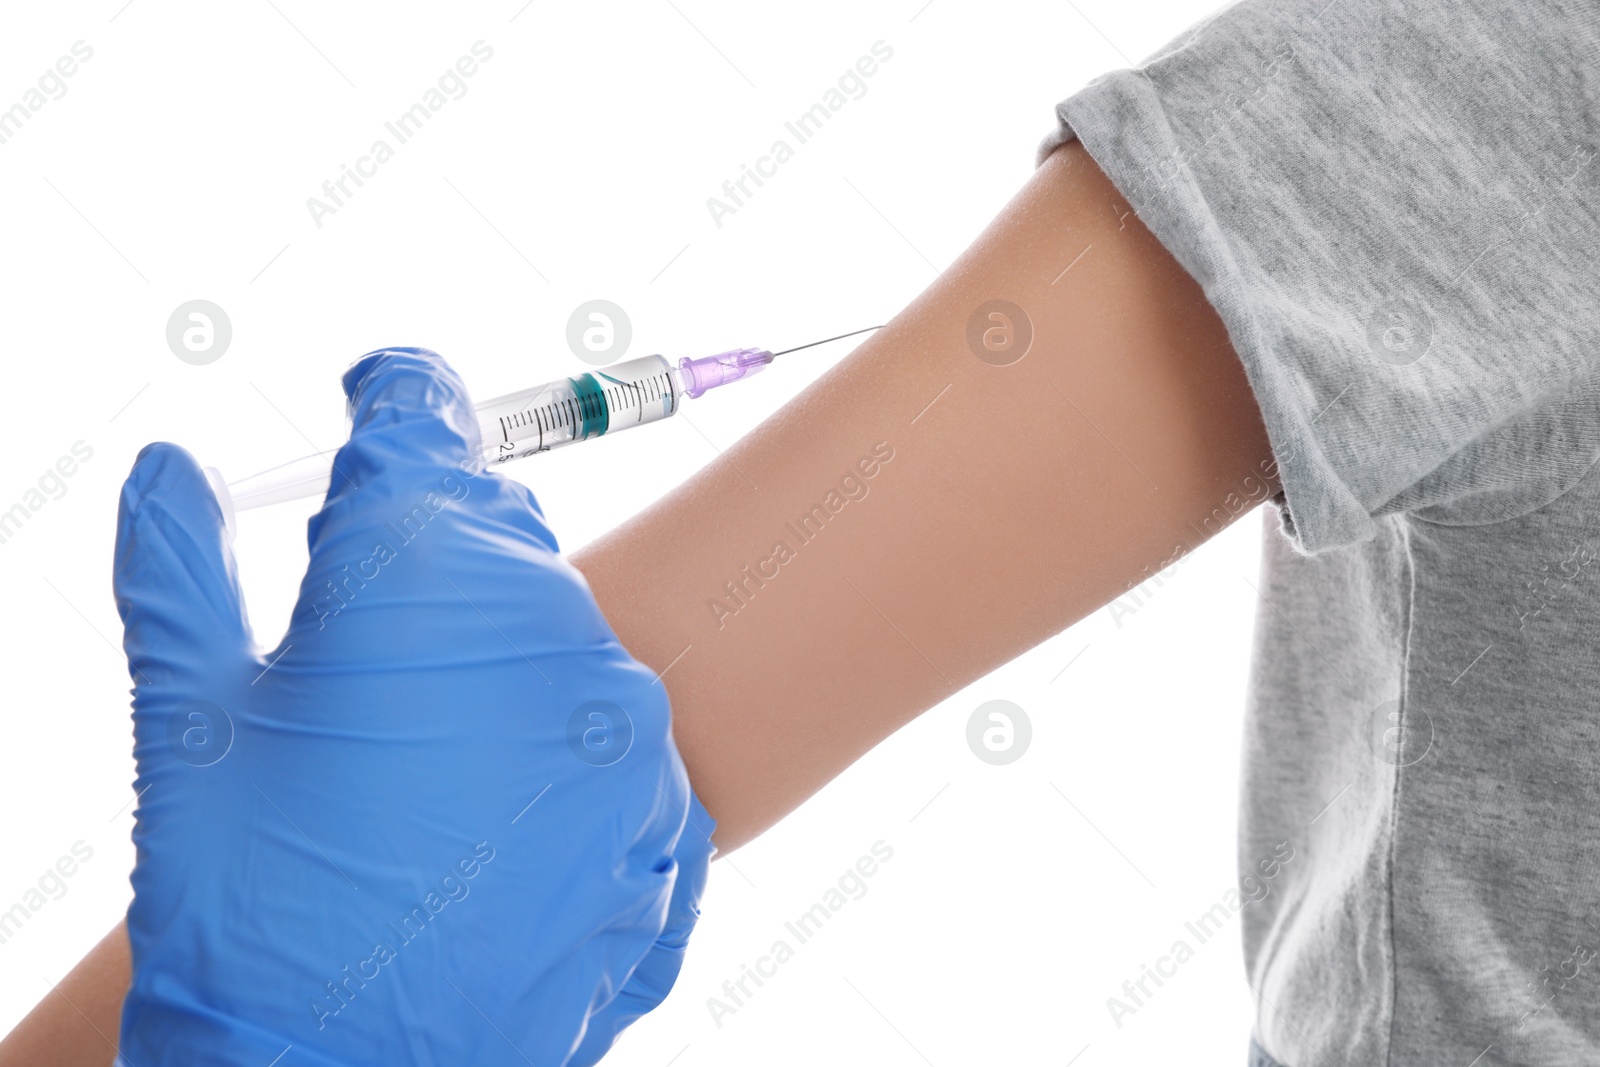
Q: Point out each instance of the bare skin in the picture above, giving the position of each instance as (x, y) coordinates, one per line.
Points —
(1018, 499)
(76, 1024)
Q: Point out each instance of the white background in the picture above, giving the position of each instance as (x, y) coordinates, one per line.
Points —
(177, 166)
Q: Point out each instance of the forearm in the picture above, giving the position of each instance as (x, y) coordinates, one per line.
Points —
(1019, 499)
(75, 1025)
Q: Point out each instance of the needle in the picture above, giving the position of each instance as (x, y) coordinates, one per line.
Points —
(825, 340)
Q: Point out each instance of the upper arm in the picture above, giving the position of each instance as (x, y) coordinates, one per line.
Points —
(1018, 499)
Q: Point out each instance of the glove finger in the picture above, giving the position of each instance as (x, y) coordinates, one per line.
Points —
(413, 464)
(411, 425)
(414, 448)
(177, 589)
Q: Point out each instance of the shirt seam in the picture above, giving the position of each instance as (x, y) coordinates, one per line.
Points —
(1399, 771)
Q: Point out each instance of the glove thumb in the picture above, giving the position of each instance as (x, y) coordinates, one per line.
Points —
(177, 590)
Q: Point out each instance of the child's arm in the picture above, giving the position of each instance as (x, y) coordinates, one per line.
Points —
(1017, 500)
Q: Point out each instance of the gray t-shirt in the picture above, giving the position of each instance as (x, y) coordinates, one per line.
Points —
(1393, 207)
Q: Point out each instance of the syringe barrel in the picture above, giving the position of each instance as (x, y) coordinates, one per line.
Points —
(618, 397)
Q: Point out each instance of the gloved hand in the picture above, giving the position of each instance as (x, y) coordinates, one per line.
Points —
(437, 824)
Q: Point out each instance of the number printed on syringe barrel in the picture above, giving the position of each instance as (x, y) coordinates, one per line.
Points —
(619, 397)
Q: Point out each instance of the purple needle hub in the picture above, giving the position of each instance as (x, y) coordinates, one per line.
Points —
(708, 372)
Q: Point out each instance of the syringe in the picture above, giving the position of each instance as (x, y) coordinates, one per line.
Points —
(526, 423)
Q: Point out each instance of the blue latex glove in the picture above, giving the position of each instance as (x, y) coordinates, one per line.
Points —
(653, 979)
(437, 824)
